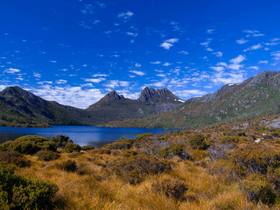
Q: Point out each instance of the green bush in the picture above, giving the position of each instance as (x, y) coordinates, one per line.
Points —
(15, 158)
(174, 150)
(134, 169)
(171, 187)
(70, 147)
(120, 145)
(29, 145)
(46, 155)
(61, 141)
(20, 193)
(88, 147)
(68, 165)
(198, 141)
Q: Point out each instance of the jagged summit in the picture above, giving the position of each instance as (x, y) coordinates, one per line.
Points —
(112, 96)
(150, 95)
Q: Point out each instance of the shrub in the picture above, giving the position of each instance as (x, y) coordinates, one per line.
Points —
(171, 187)
(88, 147)
(143, 136)
(255, 158)
(68, 165)
(122, 144)
(46, 155)
(11, 157)
(29, 145)
(61, 141)
(198, 141)
(174, 150)
(70, 147)
(20, 193)
(134, 169)
(258, 189)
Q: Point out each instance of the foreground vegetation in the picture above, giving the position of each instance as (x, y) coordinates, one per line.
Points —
(228, 166)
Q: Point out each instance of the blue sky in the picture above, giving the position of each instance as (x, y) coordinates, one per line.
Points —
(75, 51)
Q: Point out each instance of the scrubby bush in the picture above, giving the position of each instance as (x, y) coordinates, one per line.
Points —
(29, 145)
(88, 147)
(174, 150)
(198, 141)
(20, 193)
(134, 169)
(68, 165)
(71, 147)
(46, 155)
(143, 136)
(171, 187)
(15, 158)
(255, 158)
(119, 145)
(61, 141)
(259, 190)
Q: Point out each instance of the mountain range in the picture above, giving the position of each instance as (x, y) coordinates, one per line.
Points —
(22, 108)
(154, 108)
(256, 96)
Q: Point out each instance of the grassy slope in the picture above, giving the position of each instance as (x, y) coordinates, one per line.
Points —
(213, 181)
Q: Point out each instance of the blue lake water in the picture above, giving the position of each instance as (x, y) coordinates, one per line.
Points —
(82, 135)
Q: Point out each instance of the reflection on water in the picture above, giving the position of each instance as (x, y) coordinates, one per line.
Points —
(83, 135)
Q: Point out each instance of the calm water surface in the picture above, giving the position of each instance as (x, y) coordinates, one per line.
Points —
(82, 135)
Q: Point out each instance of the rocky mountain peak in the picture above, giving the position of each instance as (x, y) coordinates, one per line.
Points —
(16, 91)
(112, 96)
(150, 95)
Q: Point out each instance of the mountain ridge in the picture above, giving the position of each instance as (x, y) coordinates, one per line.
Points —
(21, 107)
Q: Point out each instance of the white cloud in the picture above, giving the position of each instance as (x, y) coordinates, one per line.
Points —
(210, 31)
(218, 54)
(228, 78)
(254, 67)
(69, 95)
(263, 62)
(95, 80)
(189, 93)
(235, 63)
(276, 55)
(116, 83)
(155, 62)
(241, 41)
(253, 47)
(126, 15)
(100, 75)
(37, 75)
(61, 81)
(12, 70)
(138, 73)
(132, 34)
(166, 64)
(253, 33)
(184, 52)
(167, 44)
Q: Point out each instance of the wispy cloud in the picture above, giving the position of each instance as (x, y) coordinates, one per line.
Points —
(169, 43)
(126, 15)
(254, 47)
(138, 73)
(12, 70)
(241, 41)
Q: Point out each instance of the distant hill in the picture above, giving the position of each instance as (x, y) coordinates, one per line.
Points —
(256, 96)
(19, 107)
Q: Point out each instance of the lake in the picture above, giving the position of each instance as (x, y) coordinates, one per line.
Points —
(82, 135)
